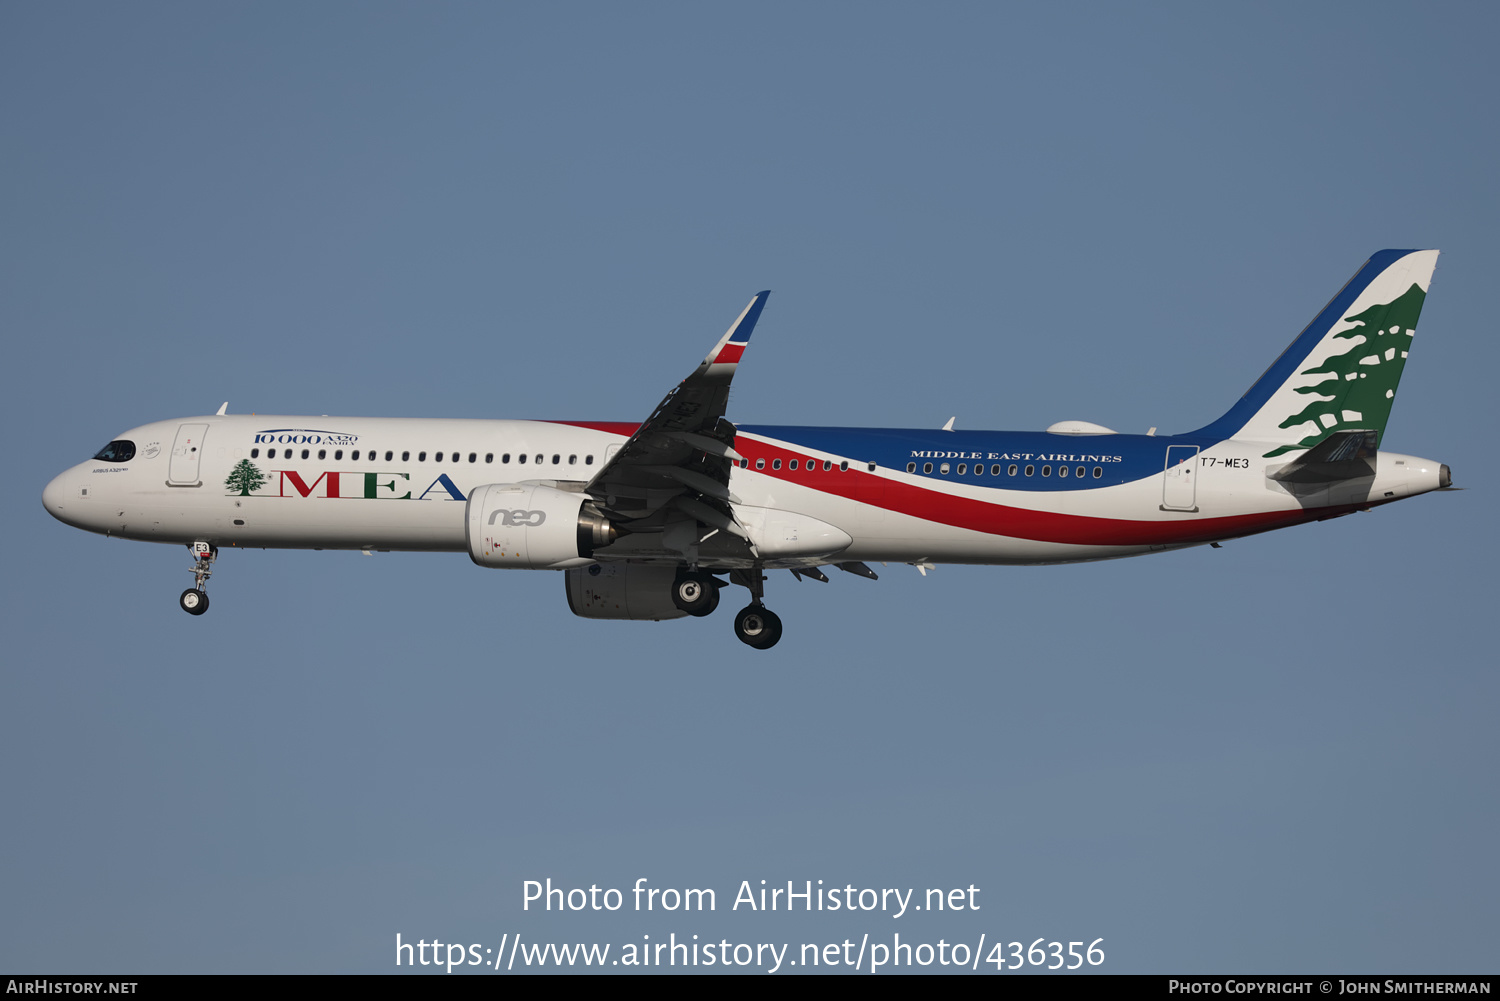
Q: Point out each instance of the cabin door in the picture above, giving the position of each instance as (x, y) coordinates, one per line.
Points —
(1180, 488)
(187, 450)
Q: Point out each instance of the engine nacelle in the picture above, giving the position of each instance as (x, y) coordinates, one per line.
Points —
(622, 591)
(527, 526)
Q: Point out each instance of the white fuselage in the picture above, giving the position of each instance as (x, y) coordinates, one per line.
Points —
(394, 484)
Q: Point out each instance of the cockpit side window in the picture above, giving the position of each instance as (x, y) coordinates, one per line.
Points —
(117, 451)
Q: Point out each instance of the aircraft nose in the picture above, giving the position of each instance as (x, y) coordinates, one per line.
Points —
(53, 495)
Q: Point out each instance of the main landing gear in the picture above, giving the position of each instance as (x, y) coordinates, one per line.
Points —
(755, 624)
(758, 626)
(697, 593)
(194, 600)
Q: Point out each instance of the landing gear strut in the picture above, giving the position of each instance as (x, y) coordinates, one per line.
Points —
(755, 624)
(696, 592)
(194, 600)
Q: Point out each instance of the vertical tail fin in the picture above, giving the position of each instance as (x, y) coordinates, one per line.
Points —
(1340, 374)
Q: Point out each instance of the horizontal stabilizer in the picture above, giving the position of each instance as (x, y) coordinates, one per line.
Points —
(1343, 455)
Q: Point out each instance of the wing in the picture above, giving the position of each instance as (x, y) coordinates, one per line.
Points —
(672, 476)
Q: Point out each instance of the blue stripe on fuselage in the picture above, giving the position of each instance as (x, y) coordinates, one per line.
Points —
(1122, 457)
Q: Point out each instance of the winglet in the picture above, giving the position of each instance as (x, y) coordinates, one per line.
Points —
(721, 361)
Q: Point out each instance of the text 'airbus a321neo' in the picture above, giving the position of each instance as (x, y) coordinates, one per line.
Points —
(652, 520)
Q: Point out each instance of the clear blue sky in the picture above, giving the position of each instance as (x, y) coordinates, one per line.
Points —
(1275, 756)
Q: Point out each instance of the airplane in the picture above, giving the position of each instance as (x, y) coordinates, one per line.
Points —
(652, 520)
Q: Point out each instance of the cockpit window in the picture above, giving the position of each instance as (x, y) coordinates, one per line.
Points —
(117, 451)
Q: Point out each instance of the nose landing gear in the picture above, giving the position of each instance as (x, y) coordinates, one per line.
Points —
(194, 600)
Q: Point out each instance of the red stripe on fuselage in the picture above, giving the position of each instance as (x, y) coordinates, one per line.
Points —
(1015, 522)
(622, 428)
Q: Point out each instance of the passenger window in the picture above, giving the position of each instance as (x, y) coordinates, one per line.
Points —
(322, 453)
(474, 457)
(255, 453)
(1009, 471)
(489, 457)
(521, 458)
(305, 453)
(354, 455)
(556, 459)
(760, 463)
(1030, 470)
(911, 467)
(437, 457)
(405, 456)
(827, 466)
(943, 469)
(421, 456)
(844, 466)
(339, 454)
(978, 469)
(963, 467)
(927, 467)
(539, 458)
(572, 460)
(1046, 470)
(1098, 471)
(775, 463)
(872, 467)
(505, 459)
(792, 464)
(1078, 472)
(588, 460)
(1062, 471)
(388, 455)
